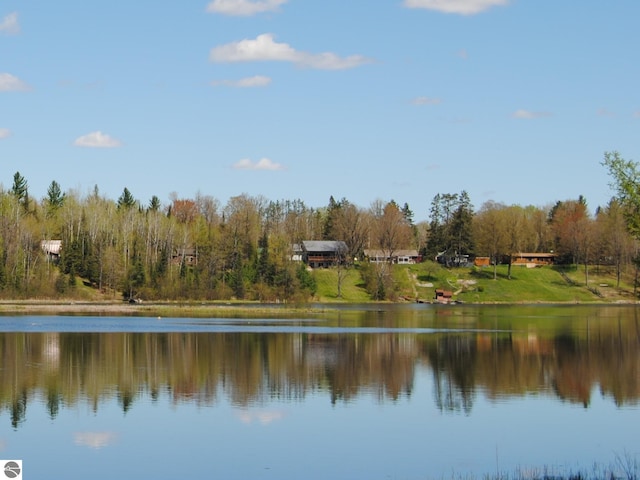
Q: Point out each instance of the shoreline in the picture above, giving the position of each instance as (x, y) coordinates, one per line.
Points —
(153, 309)
(199, 309)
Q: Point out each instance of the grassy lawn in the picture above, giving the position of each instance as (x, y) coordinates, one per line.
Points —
(526, 285)
(542, 284)
(603, 281)
(477, 285)
(351, 289)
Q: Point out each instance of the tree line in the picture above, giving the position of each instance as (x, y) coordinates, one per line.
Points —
(197, 248)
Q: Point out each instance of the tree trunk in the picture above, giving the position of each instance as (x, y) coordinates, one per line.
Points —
(586, 274)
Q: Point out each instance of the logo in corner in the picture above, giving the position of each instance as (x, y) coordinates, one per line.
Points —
(12, 468)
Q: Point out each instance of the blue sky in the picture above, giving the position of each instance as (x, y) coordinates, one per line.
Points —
(514, 101)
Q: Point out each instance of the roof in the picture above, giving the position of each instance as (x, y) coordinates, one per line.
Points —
(396, 253)
(443, 293)
(185, 251)
(324, 245)
(52, 247)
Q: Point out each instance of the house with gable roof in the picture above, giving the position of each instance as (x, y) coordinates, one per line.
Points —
(321, 253)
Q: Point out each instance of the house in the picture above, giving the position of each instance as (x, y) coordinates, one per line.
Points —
(186, 256)
(297, 254)
(52, 249)
(453, 260)
(401, 257)
(323, 253)
(533, 259)
(407, 257)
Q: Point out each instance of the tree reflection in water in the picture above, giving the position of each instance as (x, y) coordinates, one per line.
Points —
(66, 369)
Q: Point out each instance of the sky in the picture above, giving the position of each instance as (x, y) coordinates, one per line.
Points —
(514, 101)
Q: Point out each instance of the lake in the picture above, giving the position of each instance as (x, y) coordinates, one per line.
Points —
(355, 392)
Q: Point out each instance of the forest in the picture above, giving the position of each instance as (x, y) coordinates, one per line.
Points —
(198, 249)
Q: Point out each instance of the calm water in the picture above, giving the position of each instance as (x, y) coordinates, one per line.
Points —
(398, 392)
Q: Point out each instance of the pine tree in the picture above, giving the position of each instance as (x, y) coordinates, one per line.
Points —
(20, 190)
(154, 204)
(126, 200)
(55, 198)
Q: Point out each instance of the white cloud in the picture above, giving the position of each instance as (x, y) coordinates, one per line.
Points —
(426, 101)
(331, 61)
(9, 24)
(4, 133)
(248, 82)
(96, 140)
(262, 164)
(461, 7)
(265, 417)
(244, 7)
(10, 83)
(94, 440)
(528, 114)
(264, 48)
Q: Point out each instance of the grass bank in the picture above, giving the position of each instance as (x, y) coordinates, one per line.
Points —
(410, 283)
(548, 284)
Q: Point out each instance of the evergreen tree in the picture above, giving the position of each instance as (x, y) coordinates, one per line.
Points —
(408, 214)
(126, 200)
(136, 275)
(20, 190)
(306, 280)
(450, 229)
(264, 268)
(154, 204)
(328, 229)
(462, 226)
(236, 277)
(160, 268)
(71, 260)
(55, 197)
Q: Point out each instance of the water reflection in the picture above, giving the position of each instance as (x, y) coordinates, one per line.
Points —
(248, 369)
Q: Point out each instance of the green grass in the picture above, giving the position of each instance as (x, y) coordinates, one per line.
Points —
(526, 285)
(603, 281)
(351, 289)
(477, 285)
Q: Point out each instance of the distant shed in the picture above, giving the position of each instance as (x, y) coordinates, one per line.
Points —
(482, 261)
(443, 296)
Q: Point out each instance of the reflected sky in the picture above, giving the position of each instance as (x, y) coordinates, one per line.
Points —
(364, 438)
